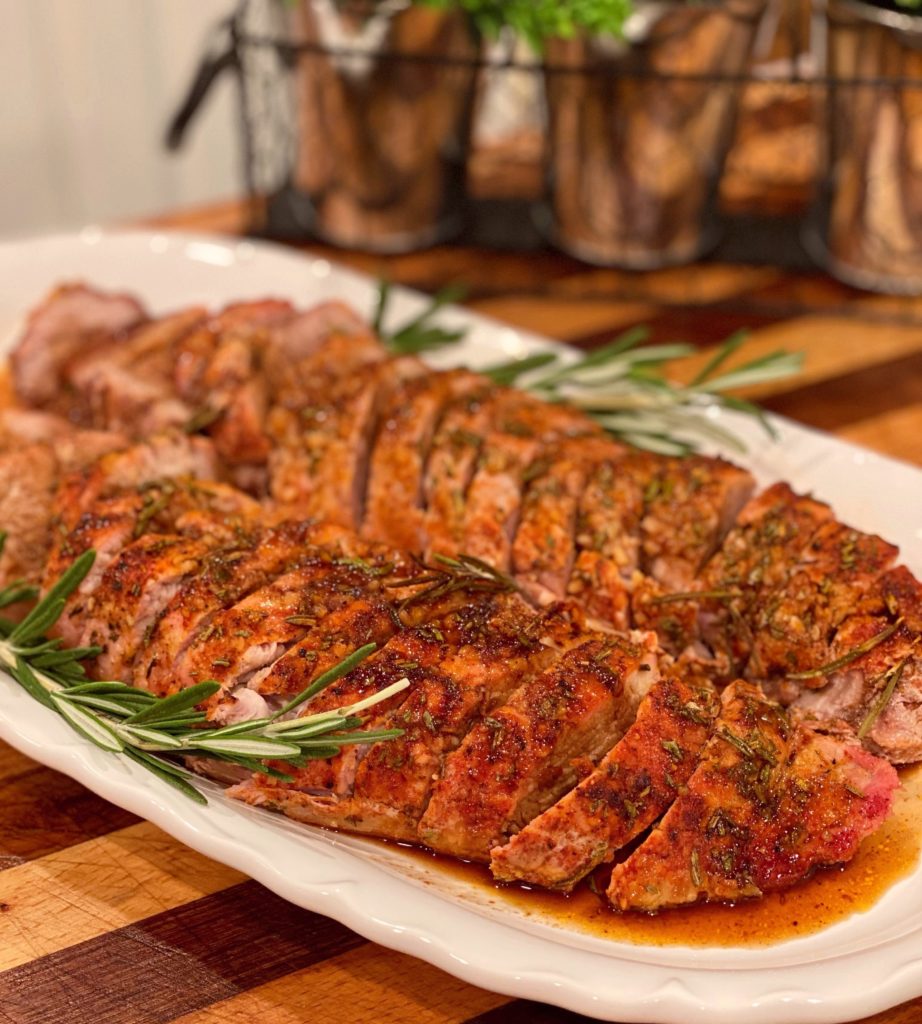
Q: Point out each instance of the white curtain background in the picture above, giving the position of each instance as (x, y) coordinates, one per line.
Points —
(86, 90)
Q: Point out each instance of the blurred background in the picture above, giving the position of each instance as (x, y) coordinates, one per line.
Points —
(780, 132)
(88, 88)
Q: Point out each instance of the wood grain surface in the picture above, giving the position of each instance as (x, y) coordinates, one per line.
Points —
(106, 920)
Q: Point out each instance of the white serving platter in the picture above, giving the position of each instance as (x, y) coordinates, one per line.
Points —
(858, 966)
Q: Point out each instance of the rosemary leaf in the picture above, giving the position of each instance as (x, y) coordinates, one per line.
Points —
(258, 748)
(16, 592)
(163, 770)
(92, 727)
(723, 353)
(169, 707)
(153, 737)
(24, 674)
(418, 334)
(326, 679)
(54, 599)
(891, 681)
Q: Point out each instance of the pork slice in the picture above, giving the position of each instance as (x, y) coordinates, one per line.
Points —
(519, 759)
(362, 621)
(169, 456)
(608, 535)
(545, 544)
(239, 645)
(690, 505)
(873, 678)
(458, 665)
(321, 469)
(74, 448)
(226, 577)
(106, 528)
(308, 357)
(301, 335)
(631, 787)
(135, 587)
(28, 481)
(209, 513)
(229, 392)
(409, 420)
(772, 799)
(127, 385)
(714, 617)
(452, 462)
(521, 427)
(794, 624)
(72, 318)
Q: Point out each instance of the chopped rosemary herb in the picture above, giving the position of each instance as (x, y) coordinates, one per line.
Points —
(695, 866)
(672, 749)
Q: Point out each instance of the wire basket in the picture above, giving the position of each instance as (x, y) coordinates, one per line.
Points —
(771, 167)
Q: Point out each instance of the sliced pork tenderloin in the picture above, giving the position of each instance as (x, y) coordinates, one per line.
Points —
(521, 426)
(195, 352)
(321, 470)
(168, 456)
(773, 798)
(452, 462)
(300, 340)
(73, 447)
(227, 575)
(208, 513)
(608, 536)
(873, 676)
(712, 618)
(545, 545)
(132, 592)
(409, 420)
(28, 482)
(629, 790)
(240, 644)
(521, 757)
(793, 625)
(458, 665)
(72, 319)
(689, 506)
(127, 385)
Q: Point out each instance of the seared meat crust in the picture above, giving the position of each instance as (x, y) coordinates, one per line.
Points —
(631, 787)
(772, 799)
(518, 759)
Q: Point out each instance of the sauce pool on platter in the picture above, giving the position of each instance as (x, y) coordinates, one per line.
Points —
(827, 898)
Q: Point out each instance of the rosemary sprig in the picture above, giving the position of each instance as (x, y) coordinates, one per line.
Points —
(149, 729)
(444, 576)
(419, 334)
(891, 680)
(620, 385)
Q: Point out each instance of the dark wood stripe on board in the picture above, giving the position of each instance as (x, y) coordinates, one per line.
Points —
(687, 324)
(522, 1011)
(42, 811)
(168, 965)
(839, 402)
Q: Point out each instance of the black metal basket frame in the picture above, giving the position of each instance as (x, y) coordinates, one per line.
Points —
(774, 240)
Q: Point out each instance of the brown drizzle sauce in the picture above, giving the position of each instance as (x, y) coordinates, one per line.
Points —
(823, 900)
